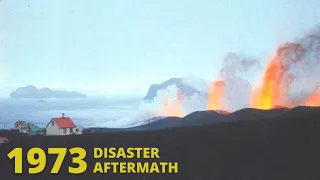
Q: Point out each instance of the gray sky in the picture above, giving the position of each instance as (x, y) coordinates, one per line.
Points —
(119, 46)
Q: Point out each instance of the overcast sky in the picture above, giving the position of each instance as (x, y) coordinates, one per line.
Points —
(124, 45)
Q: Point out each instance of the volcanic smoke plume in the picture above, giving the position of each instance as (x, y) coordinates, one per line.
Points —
(292, 76)
(232, 92)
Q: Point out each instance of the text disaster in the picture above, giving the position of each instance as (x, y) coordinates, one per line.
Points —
(131, 163)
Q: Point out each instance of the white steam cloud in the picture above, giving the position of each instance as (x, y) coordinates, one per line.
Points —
(234, 72)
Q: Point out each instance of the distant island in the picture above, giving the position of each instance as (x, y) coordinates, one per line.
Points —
(33, 92)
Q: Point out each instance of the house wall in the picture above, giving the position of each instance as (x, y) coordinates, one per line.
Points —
(68, 132)
(53, 130)
(56, 131)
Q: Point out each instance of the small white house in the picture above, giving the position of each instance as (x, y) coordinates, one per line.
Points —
(61, 126)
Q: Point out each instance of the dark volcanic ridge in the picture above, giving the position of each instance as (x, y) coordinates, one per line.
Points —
(201, 118)
(273, 144)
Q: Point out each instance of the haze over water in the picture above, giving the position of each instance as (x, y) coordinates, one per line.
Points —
(84, 112)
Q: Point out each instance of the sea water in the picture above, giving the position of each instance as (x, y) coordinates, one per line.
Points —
(84, 112)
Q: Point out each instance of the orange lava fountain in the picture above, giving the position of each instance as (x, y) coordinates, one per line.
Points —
(276, 80)
(215, 95)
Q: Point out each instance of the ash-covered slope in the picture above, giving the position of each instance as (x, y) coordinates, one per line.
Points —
(281, 146)
(201, 118)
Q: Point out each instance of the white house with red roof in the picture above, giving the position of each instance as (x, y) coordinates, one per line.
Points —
(61, 126)
(3, 140)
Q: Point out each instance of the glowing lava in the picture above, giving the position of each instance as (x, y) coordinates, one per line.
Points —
(313, 100)
(280, 107)
(222, 111)
(268, 94)
(276, 79)
(215, 95)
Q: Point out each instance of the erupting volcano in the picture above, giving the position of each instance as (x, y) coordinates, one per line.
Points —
(276, 81)
(290, 79)
(291, 73)
(215, 95)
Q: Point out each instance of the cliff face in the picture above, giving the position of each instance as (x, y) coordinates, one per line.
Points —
(32, 92)
(186, 89)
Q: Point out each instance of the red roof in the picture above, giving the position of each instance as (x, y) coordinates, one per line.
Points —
(64, 122)
(2, 138)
